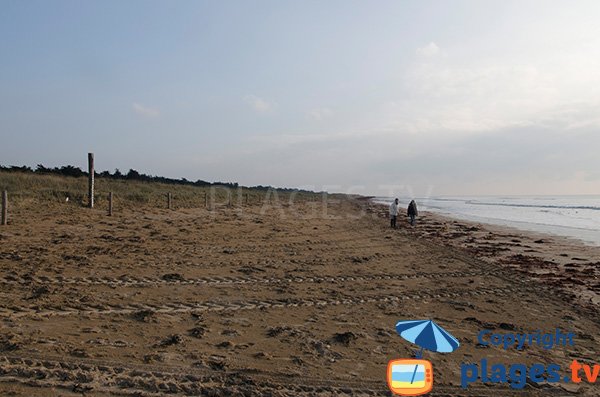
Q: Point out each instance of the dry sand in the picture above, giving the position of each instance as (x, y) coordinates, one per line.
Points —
(280, 301)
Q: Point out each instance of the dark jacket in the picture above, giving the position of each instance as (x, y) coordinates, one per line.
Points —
(412, 209)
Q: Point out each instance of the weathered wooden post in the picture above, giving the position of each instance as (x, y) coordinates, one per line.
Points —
(91, 180)
(169, 200)
(110, 204)
(205, 200)
(246, 198)
(4, 207)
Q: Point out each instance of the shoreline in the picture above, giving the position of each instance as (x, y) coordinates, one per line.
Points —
(542, 229)
(566, 263)
(587, 235)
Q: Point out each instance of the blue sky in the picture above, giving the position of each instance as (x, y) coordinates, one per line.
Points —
(413, 97)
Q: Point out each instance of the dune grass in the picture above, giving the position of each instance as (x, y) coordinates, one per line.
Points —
(130, 193)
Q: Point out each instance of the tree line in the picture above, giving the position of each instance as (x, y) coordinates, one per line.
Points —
(133, 175)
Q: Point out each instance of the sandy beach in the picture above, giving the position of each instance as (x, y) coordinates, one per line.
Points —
(279, 300)
(198, 198)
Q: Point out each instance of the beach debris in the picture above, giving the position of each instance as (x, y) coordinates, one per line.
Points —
(527, 261)
(323, 349)
(276, 331)
(344, 338)
(262, 355)
(109, 237)
(173, 277)
(383, 332)
(106, 342)
(507, 326)
(81, 353)
(490, 325)
(39, 291)
(11, 256)
(153, 358)
(91, 330)
(197, 332)
(171, 340)
(145, 316)
(216, 362)
(230, 332)
(359, 259)
(250, 269)
(225, 345)
(9, 343)
(78, 387)
(297, 360)
(76, 258)
(585, 336)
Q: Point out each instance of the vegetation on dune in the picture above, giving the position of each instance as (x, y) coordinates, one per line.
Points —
(131, 189)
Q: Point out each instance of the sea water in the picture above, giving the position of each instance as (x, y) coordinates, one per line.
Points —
(569, 216)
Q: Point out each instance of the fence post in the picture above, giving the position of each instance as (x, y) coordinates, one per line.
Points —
(246, 198)
(205, 200)
(169, 200)
(110, 204)
(4, 207)
(91, 180)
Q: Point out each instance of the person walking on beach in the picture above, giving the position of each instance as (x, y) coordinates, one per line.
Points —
(394, 213)
(412, 212)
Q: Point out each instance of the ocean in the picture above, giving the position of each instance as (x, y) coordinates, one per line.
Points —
(576, 217)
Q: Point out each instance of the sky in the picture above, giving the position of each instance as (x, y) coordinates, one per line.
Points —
(376, 98)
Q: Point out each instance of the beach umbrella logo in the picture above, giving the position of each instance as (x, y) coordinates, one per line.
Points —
(427, 335)
(413, 377)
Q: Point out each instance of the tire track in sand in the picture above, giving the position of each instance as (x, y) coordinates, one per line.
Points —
(170, 279)
(177, 308)
(155, 380)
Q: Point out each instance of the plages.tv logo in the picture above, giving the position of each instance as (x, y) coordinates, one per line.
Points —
(413, 377)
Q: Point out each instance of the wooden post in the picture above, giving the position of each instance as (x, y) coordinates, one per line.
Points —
(110, 204)
(4, 207)
(229, 195)
(205, 200)
(169, 200)
(91, 180)
(246, 198)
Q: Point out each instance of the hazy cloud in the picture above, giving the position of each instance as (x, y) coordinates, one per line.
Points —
(319, 114)
(473, 98)
(145, 110)
(429, 50)
(258, 104)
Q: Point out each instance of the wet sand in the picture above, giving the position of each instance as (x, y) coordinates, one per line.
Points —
(278, 300)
